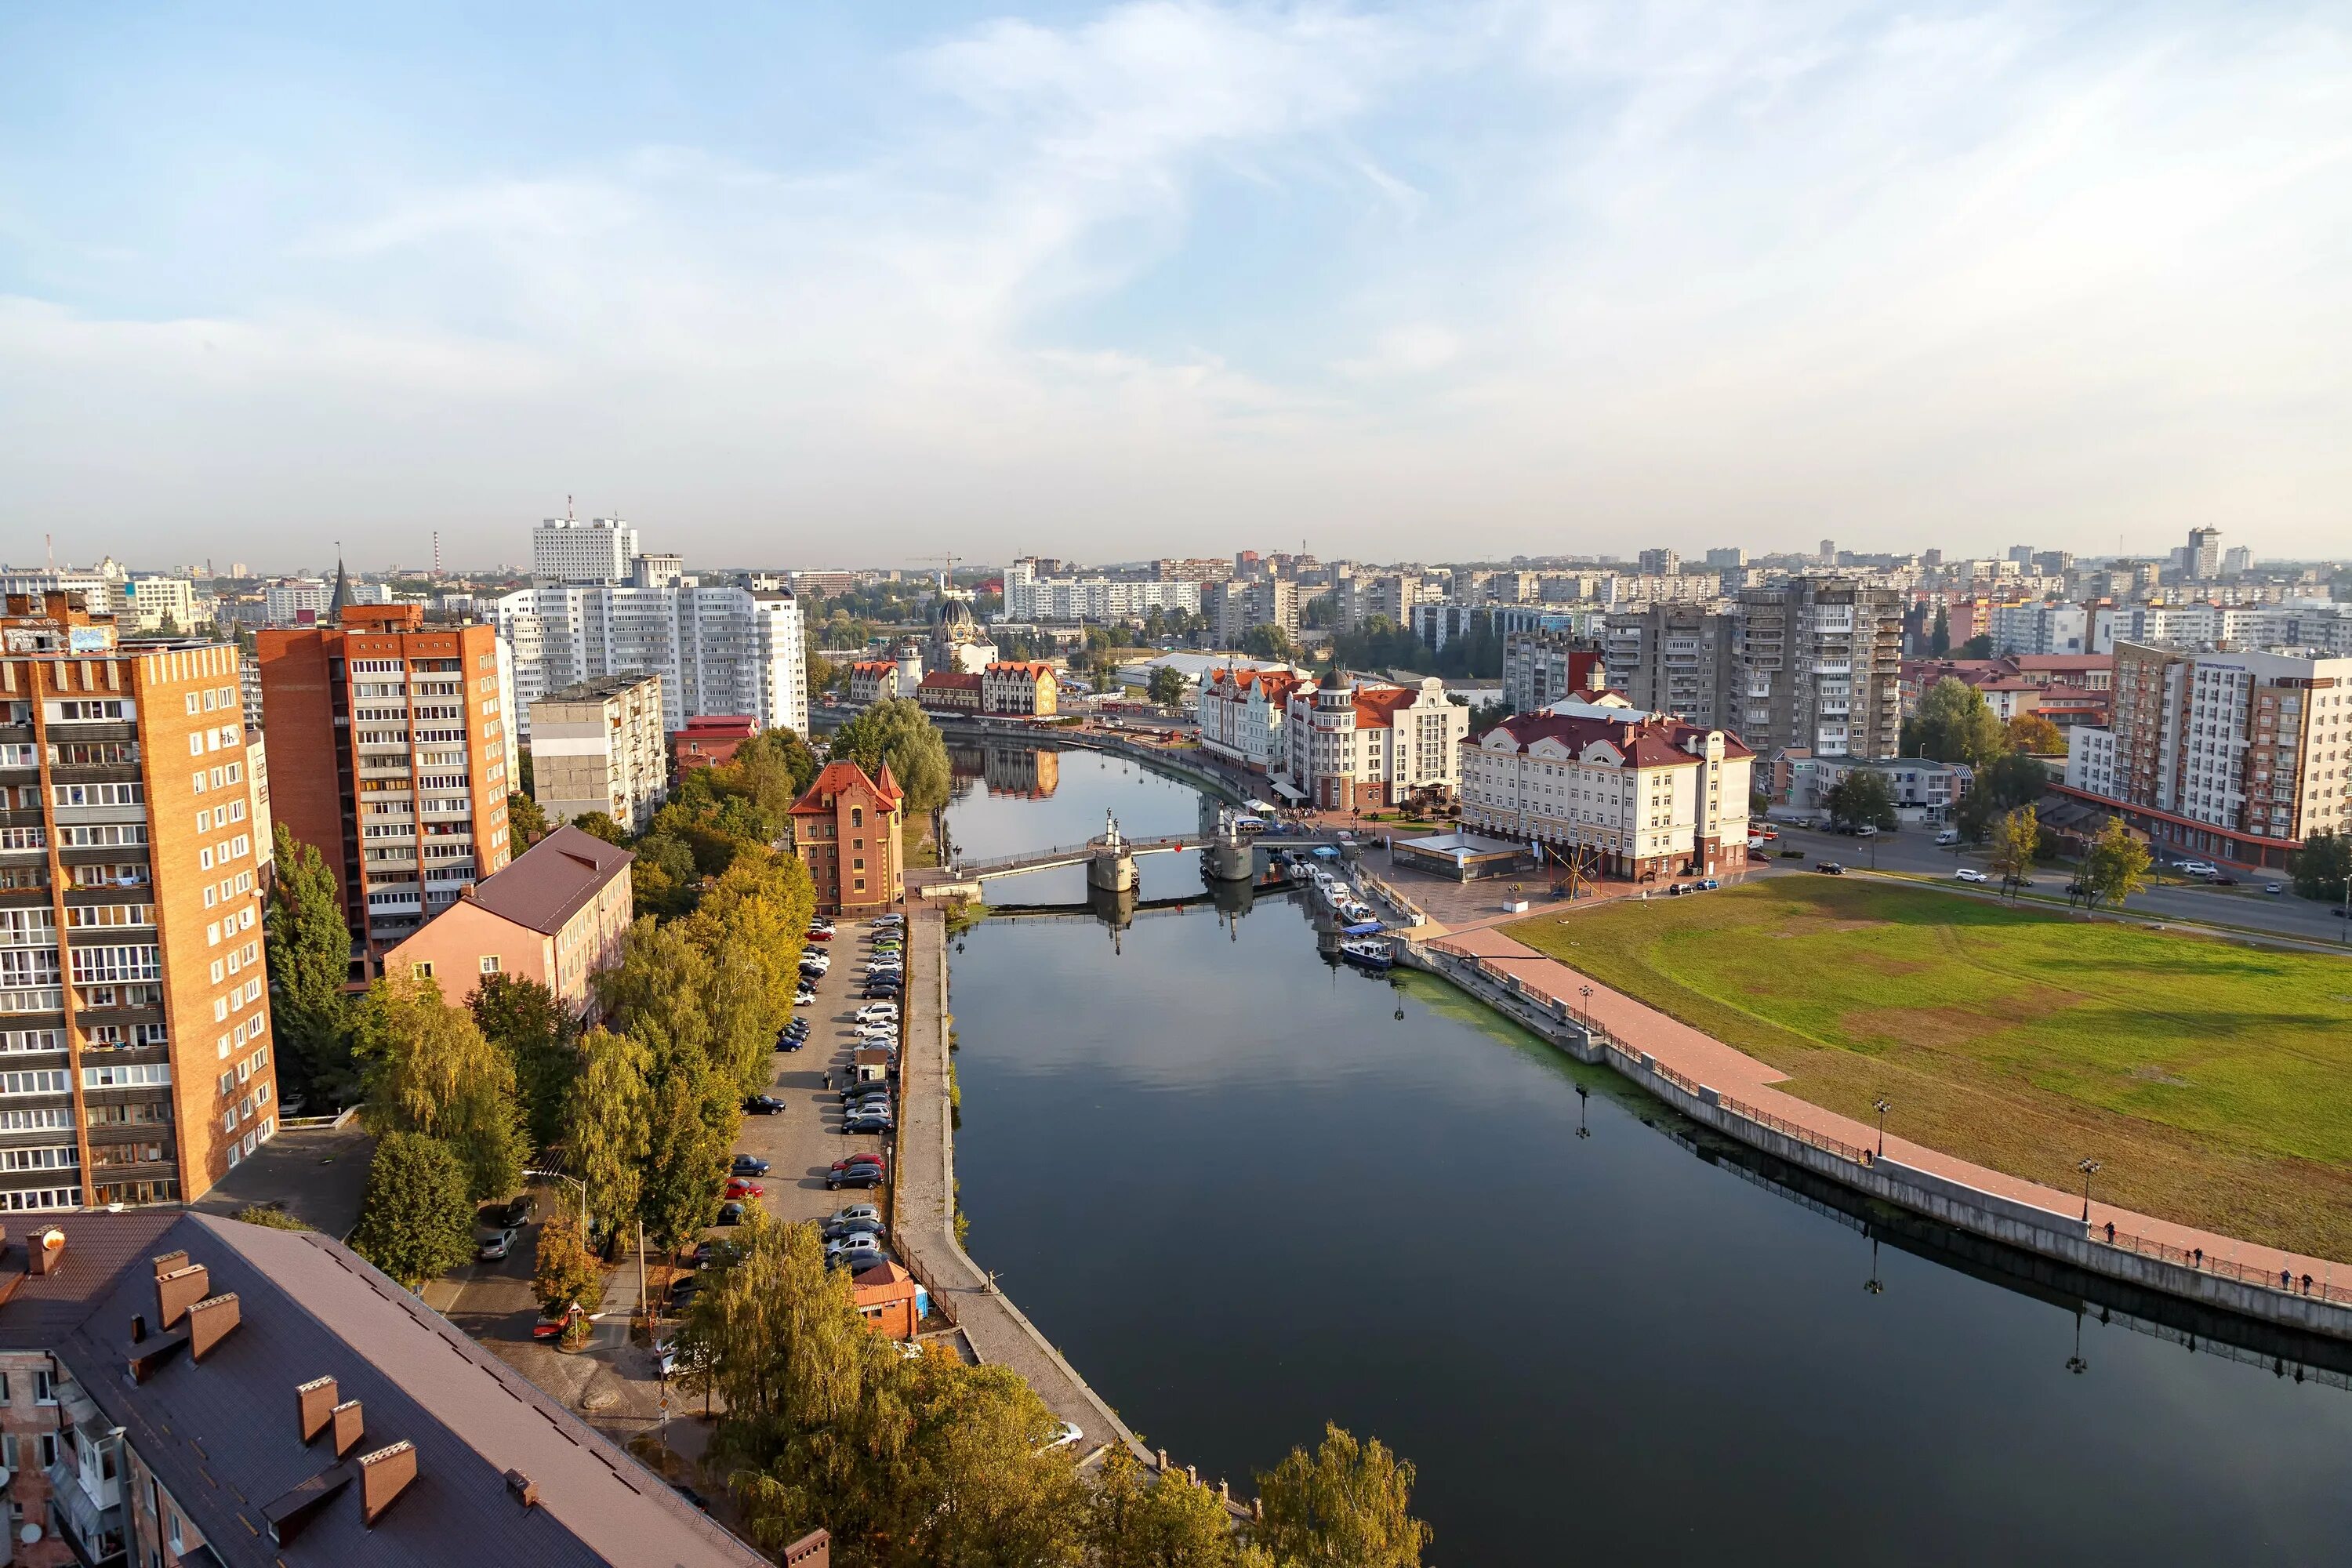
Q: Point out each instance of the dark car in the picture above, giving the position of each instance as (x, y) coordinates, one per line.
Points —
(835, 1229)
(875, 992)
(748, 1166)
(853, 1176)
(729, 1213)
(690, 1495)
(872, 1122)
(1832, 868)
(762, 1105)
(685, 1287)
(517, 1212)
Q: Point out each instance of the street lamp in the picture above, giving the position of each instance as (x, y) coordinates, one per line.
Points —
(2075, 1363)
(1882, 1106)
(575, 1181)
(2089, 1168)
(1586, 992)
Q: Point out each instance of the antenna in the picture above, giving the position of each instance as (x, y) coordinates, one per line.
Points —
(567, 509)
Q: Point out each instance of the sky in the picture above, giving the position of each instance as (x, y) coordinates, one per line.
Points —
(852, 283)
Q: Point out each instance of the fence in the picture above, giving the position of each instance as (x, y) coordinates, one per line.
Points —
(1788, 1129)
(2320, 1290)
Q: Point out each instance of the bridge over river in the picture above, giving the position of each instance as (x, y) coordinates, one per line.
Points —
(1110, 858)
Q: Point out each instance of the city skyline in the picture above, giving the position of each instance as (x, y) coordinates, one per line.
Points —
(1110, 282)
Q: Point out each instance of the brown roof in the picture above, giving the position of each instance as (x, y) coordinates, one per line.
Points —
(43, 1310)
(1033, 668)
(1650, 741)
(951, 681)
(840, 778)
(553, 881)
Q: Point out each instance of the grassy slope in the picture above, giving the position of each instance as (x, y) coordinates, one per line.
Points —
(2214, 1082)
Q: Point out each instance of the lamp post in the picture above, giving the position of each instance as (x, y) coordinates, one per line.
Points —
(1882, 1106)
(575, 1181)
(2089, 1168)
(1586, 992)
(2075, 1363)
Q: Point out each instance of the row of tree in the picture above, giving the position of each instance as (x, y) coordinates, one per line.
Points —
(924, 1459)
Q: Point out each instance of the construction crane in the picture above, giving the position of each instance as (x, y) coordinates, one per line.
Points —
(947, 569)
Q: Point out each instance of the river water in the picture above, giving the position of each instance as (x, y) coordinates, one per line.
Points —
(1244, 1196)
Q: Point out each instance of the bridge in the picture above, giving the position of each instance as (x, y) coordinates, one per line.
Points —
(1110, 858)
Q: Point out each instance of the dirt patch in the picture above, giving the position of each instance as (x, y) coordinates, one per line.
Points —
(2157, 1075)
(1935, 1028)
(1882, 964)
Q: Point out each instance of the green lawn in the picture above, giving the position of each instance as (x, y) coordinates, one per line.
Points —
(2214, 1081)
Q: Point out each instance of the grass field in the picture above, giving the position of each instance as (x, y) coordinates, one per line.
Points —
(2213, 1081)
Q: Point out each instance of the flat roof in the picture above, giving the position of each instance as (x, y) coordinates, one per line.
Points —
(598, 687)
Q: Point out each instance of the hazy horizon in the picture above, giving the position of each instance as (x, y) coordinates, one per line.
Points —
(1116, 281)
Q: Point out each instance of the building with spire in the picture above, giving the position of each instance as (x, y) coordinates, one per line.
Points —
(846, 830)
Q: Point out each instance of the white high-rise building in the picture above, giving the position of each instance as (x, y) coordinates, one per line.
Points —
(718, 648)
(601, 550)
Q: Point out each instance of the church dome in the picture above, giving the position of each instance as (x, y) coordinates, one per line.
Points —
(954, 612)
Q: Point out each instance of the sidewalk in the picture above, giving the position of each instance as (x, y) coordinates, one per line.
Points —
(1709, 1061)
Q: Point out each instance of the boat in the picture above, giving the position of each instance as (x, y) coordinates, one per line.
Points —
(1362, 928)
(1368, 953)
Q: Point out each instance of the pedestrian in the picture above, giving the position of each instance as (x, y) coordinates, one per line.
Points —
(828, 1077)
(2110, 1233)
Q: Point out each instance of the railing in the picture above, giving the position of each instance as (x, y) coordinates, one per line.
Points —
(2205, 1262)
(1788, 1129)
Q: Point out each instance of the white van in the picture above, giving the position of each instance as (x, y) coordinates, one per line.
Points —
(1950, 836)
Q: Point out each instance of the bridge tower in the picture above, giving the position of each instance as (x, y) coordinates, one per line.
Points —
(1227, 852)
(1112, 867)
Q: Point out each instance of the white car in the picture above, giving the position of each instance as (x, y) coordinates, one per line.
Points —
(858, 1241)
(2198, 868)
(856, 1211)
(1065, 1436)
(882, 1011)
(887, 922)
(1971, 874)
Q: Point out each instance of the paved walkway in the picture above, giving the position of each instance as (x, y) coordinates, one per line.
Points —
(924, 1221)
(1707, 1060)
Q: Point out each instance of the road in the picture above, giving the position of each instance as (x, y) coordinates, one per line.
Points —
(1913, 849)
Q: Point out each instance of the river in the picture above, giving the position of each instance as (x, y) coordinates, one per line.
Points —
(1244, 1196)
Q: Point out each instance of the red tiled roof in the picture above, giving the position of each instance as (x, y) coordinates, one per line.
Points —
(950, 680)
(1036, 668)
(842, 778)
(1652, 742)
(1376, 706)
(742, 726)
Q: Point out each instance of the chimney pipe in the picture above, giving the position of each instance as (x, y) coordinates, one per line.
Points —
(209, 1322)
(138, 1329)
(314, 1406)
(178, 1291)
(384, 1476)
(350, 1426)
(45, 1250)
(520, 1487)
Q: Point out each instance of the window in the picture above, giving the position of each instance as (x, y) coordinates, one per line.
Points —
(424, 970)
(491, 963)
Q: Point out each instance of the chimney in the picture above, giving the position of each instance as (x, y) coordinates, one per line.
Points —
(520, 1487)
(164, 1262)
(813, 1550)
(350, 1426)
(45, 1250)
(178, 1291)
(384, 1476)
(209, 1322)
(314, 1406)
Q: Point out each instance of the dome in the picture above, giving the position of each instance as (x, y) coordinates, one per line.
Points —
(954, 612)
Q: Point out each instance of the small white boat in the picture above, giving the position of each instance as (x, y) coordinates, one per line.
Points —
(1368, 953)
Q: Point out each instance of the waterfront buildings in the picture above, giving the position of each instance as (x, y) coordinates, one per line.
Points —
(2233, 756)
(956, 641)
(950, 692)
(873, 680)
(1366, 745)
(127, 831)
(1675, 658)
(1817, 667)
(1646, 796)
(401, 758)
(556, 916)
(1245, 715)
(198, 1391)
(1541, 668)
(709, 740)
(1025, 688)
(845, 829)
(597, 746)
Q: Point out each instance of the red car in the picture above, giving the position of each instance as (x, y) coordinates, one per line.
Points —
(743, 1189)
(881, 1161)
(820, 936)
(552, 1329)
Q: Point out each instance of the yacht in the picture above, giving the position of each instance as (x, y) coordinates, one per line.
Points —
(1368, 953)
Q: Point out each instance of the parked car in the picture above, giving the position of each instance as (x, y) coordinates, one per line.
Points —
(518, 1210)
(748, 1166)
(863, 1157)
(858, 1241)
(2198, 868)
(825, 935)
(884, 922)
(2222, 879)
(1705, 885)
(1865, 831)
(878, 1012)
(1950, 836)
(1065, 1436)
(1832, 868)
(739, 1188)
(1971, 874)
(853, 1176)
(2275, 889)
(553, 1327)
(762, 1105)
(873, 991)
(683, 1289)
(496, 1246)
(833, 1231)
(849, 1211)
(868, 1122)
(729, 1213)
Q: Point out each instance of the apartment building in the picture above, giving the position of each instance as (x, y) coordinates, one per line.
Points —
(1245, 715)
(1671, 658)
(1392, 597)
(183, 1390)
(718, 648)
(1541, 668)
(1817, 666)
(845, 829)
(1032, 594)
(2040, 629)
(597, 746)
(1647, 794)
(873, 680)
(135, 1018)
(403, 749)
(2231, 756)
(1234, 607)
(602, 550)
(556, 915)
(1362, 745)
(151, 602)
(1022, 689)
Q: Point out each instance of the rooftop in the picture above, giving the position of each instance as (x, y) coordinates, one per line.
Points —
(599, 687)
(553, 881)
(837, 778)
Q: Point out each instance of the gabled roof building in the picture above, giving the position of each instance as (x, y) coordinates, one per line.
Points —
(845, 829)
(556, 915)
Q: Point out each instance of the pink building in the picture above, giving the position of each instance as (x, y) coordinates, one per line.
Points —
(555, 915)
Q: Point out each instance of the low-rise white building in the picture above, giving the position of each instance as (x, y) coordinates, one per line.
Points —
(1650, 794)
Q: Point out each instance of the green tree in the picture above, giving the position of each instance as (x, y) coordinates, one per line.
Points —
(2117, 866)
(565, 1271)
(685, 1162)
(1977, 647)
(427, 1067)
(524, 817)
(310, 948)
(416, 1218)
(659, 992)
(2323, 866)
(600, 825)
(1940, 641)
(2033, 735)
(1134, 1522)
(268, 1216)
(1348, 1503)
(1862, 799)
(1166, 686)
(523, 1018)
(983, 1492)
(1955, 724)
(1270, 641)
(2015, 838)
(608, 1125)
(2012, 780)
(898, 730)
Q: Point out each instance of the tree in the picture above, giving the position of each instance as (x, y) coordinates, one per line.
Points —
(1955, 724)
(2015, 837)
(1134, 1522)
(524, 817)
(2033, 736)
(896, 729)
(269, 1215)
(1862, 799)
(523, 1018)
(658, 993)
(1940, 641)
(427, 1067)
(2117, 866)
(565, 1271)
(2322, 866)
(1270, 641)
(1978, 646)
(310, 946)
(682, 1175)
(416, 1218)
(600, 825)
(1166, 686)
(2012, 780)
(607, 1132)
(1347, 1503)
